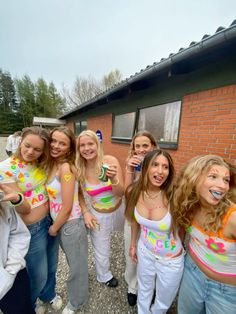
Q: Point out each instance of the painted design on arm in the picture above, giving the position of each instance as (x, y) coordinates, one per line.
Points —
(67, 177)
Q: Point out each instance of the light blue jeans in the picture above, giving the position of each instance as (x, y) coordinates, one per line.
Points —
(41, 261)
(74, 242)
(199, 294)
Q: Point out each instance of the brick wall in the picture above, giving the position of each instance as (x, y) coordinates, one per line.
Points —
(207, 126)
(104, 124)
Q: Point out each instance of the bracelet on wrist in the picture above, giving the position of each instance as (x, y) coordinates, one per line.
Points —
(128, 171)
(20, 201)
(116, 183)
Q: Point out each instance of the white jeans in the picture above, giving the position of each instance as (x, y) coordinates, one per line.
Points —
(163, 274)
(130, 266)
(101, 240)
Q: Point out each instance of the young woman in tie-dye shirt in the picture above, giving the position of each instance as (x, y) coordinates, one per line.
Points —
(204, 205)
(103, 195)
(24, 172)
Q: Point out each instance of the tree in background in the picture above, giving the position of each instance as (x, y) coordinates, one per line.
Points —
(25, 91)
(8, 104)
(39, 99)
(85, 89)
(111, 79)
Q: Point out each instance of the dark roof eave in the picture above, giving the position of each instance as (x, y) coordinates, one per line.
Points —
(207, 43)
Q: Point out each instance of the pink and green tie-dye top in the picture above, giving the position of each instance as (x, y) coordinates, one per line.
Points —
(29, 178)
(157, 237)
(213, 250)
(101, 195)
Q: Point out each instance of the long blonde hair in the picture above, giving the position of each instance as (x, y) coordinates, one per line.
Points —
(186, 201)
(81, 162)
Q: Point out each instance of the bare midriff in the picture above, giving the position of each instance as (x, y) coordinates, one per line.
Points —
(36, 214)
(230, 280)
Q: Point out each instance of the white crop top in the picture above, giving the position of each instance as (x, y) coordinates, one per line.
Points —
(54, 193)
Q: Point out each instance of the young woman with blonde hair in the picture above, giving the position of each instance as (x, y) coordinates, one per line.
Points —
(159, 252)
(204, 205)
(102, 185)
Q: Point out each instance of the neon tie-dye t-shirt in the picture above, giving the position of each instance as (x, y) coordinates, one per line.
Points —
(212, 249)
(101, 195)
(29, 178)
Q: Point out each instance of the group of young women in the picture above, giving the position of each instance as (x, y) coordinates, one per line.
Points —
(60, 185)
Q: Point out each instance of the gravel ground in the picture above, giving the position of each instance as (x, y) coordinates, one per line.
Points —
(102, 300)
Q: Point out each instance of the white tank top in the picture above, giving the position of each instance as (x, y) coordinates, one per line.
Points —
(156, 236)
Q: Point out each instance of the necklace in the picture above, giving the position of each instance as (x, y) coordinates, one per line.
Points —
(152, 197)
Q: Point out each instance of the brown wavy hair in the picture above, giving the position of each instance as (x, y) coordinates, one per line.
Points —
(138, 134)
(137, 188)
(70, 156)
(41, 133)
(186, 201)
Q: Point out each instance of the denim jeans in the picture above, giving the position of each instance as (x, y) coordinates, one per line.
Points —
(74, 242)
(41, 261)
(199, 294)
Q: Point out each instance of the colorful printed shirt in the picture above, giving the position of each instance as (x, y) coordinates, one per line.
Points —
(55, 199)
(213, 250)
(101, 195)
(29, 178)
(156, 236)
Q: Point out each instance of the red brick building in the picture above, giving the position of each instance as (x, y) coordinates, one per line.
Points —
(187, 101)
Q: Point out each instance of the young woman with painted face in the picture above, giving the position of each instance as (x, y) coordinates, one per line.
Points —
(68, 225)
(142, 143)
(159, 252)
(24, 172)
(103, 195)
(204, 205)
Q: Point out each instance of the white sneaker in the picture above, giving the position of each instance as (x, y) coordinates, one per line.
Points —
(40, 308)
(56, 303)
(68, 311)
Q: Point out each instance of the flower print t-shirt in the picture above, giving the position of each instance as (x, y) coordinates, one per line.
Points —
(212, 249)
(29, 178)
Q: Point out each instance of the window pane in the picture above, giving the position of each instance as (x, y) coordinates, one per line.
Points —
(83, 126)
(80, 126)
(123, 125)
(162, 121)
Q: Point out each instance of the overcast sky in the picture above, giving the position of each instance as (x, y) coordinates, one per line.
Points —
(61, 39)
